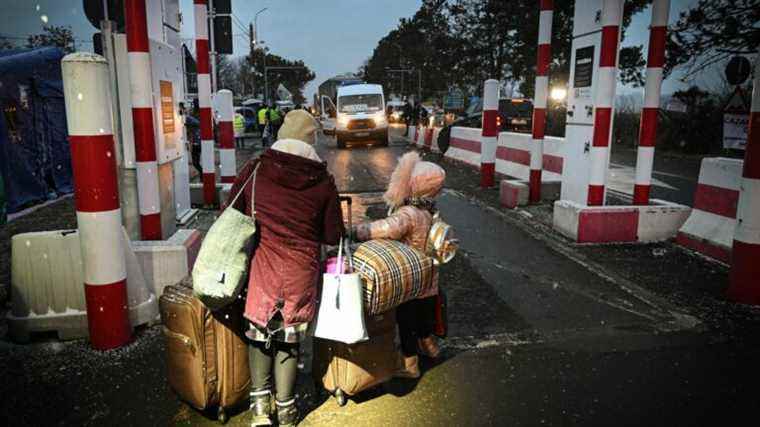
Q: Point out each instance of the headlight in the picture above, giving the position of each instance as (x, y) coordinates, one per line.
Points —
(379, 117)
(342, 120)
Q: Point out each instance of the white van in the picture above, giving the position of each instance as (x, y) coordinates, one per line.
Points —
(361, 115)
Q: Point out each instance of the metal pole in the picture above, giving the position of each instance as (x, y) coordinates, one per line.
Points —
(546, 13)
(489, 133)
(650, 112)
(226, 136)
(87, 94)
(745, 254)
(419, 84)
(611, 18)
(149, 199)
(211, 16)
(208, 165)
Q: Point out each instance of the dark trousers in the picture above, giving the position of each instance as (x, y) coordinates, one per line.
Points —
(195, 154)
(275, 365)
(416, 319)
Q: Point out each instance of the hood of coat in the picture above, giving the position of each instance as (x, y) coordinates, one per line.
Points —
(292, 171)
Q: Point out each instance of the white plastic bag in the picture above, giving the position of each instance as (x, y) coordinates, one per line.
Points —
(341, 309)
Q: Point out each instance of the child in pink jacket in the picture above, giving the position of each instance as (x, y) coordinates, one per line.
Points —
(411, 199)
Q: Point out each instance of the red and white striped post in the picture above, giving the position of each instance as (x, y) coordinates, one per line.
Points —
(612, 17)
(226, 135)
(208, 165)
(543, 60)
(745, 256)
(86, 88)
(490, 133)
(141, 93)
(648, 127)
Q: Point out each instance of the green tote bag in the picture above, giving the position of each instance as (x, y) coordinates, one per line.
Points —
(221, 269)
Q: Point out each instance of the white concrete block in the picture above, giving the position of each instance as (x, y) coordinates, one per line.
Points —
(661, 220)
(167, 262)
(566, 217)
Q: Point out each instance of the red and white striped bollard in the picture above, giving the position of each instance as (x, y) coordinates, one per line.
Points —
(208, 165)
(543, 60)
(490, 133)
(87, 92)
(652, 92)
(612, 17)
(141, 94)
(745, 256)
(227, 164)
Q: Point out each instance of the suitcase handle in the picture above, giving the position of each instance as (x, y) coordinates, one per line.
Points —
(184, 339)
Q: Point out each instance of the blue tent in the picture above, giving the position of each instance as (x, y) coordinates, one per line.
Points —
(35, 160)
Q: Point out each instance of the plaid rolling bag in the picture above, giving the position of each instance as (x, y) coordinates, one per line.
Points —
(392, 273)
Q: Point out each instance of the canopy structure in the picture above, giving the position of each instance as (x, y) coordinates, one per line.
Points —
(35, 161)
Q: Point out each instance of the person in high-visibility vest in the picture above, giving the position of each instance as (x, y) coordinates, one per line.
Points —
(238, 125)
(264, 129)
(262, 116)
(275, 121)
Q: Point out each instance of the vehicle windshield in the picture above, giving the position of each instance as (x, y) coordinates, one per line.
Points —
(368, 103)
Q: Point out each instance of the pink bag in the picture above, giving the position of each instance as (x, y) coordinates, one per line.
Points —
(331, 266)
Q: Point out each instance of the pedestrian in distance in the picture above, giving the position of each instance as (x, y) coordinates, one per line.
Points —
(192, 125)
(411, 197)
(408, 113)
(238, 126)
(296, 210)
(261, 115)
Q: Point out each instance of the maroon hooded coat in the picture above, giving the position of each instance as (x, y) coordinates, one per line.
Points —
(297, 209)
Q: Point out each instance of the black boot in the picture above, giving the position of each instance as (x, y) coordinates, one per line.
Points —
(261, 408)
(287, 413)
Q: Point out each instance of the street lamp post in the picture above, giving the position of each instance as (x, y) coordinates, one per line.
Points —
(410, 70)
(256, 24)
(255, 42)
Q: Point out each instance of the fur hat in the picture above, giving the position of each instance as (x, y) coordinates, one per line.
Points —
(299, 125)
(413, 178)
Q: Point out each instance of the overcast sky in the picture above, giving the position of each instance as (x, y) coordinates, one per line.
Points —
(330, 36)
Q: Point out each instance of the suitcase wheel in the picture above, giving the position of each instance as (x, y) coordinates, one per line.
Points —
(340, 397)
(221, 415)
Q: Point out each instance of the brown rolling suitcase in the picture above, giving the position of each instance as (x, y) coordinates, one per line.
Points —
(345, 370)
(207, 353)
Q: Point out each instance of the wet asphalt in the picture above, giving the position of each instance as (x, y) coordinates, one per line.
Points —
(542, 332)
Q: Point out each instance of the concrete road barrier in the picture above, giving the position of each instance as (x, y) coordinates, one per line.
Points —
(710, 227)
(619, 224)
(48, 286)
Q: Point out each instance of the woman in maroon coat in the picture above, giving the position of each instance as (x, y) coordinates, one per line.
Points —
(297, 209)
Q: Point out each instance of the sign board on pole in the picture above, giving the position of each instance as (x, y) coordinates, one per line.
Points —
(736, 122)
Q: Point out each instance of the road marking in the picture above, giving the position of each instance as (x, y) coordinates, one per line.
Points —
(622, 178)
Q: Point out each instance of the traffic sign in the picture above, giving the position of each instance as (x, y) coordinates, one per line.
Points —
(737, 70)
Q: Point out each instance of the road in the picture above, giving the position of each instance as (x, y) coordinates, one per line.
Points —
(542, 332)
(674, 178)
